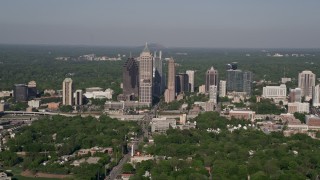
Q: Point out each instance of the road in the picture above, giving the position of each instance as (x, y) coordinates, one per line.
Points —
(145, 129)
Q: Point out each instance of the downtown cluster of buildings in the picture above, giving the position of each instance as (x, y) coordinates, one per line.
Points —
(300, 98)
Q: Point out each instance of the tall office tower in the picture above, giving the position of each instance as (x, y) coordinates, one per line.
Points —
(20, 92)
(145, 77)
(234, 80)
(316, 96)
(32, 89)
(222, 88)
(191, 79)
(306, 81)
(295, 95)
(157, 74)
(247, 82)
(170, 91)
(67, 95)
(213, 93)
(130, 75)
(182, 83)
(211, 78)
(78, 96)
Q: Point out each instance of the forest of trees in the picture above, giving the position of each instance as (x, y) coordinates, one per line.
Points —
(197, 154)
(47, 139)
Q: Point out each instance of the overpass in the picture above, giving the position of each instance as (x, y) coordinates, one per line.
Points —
(37, 113)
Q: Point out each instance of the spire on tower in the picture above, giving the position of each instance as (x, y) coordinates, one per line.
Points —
(146, 49)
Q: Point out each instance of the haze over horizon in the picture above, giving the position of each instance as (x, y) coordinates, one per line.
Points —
(180, 23)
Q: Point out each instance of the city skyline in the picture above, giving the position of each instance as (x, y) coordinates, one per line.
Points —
(232, 24)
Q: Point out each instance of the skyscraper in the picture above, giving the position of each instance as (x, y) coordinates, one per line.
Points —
(20, 92)
(316, 96)
(130, 75)
(158, 85)
(191, 79)
(213, 93)
(295, 95)
(170, 91)
(67, 89)
(78, 97)
(211, 78)
(32, 89)
(306, 81)
(222, 88)
(237, 80)
(145, 76)
(182, 83)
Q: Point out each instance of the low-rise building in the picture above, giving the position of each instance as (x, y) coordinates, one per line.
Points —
(248, 115)
(298, 107)
(161, 125)
(107, 94)
(34, 103)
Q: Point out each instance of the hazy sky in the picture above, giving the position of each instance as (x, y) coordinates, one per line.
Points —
(173, 23)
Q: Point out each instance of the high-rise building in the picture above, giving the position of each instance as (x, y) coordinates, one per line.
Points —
(130, 74)
(20, 93)
(67, 89)
(316, 96)
(145, 76)
(295, 95)
(158, 85)
(32, 89)
(306, 81)
(211, 78)
(222, 88)
(191, 79)
(213, 93)
(247, 82)
(234, 80)
(182, 83)
(78, 96)
(171, 90)
(237, 80)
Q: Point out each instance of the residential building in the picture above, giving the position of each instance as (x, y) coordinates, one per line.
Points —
(145, 76)
(130, 75)
(222, 88)
(306, 80)
(191, 79)
(211, 78)
(170, 91)
(67, 88)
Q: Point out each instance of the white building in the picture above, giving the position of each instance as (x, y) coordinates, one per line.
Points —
(191, 79)
(34, 103)
(277, 93)
(298, 107)
(6, 93)
(161, 125)
(306, 81)
(285, 80)
(316, 96)
(183, 119)
(222, 88)
(107, 94)
(202, 89)
(213, 93)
